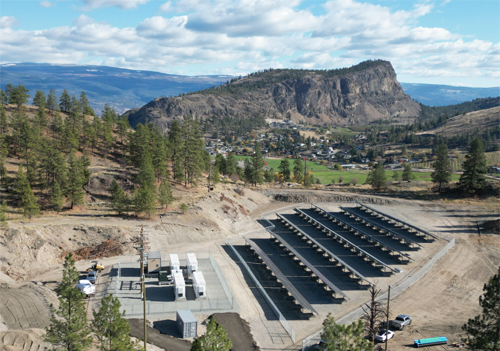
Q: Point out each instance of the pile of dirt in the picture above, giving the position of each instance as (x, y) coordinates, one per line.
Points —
(492, 226)
(23, 340)
(156, 338)
(238, 331)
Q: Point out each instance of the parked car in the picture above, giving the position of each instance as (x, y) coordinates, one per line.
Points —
(383, 335)
(86, 287)
(92, 277)
(401, 321)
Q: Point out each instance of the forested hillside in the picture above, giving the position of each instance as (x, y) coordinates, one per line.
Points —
(463, 108)
(56, 155)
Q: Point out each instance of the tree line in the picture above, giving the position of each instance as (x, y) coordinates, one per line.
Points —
(54, 149)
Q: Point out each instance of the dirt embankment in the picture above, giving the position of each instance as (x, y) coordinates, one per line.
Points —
(296, 196)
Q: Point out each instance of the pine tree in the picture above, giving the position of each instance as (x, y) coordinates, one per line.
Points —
(19, 96)
(56, 197)
(215, 175)
(396, 177)
(84, 105)
(110, 328)
(4, 124)
(144, 200)
(52, 101)
(159, 157)
(121, 127)
(220, 163)
(257, 164)
(3, 214)
(119, 199)
(65, 101)
(473, 178)
(192, 151)
(176, 146)
(68, 328)
(340, 337)
(376, 178)
(483, 331)
(146, 171)
(442, 166)
(284, 170)
(231, 163)
(39, 99)
(28, 202)
(407, 175)
(76, 179)
(165, 195)
(298, 171)
(215, 338)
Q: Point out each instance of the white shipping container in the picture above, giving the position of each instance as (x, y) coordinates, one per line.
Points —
(199, 285)
(192, 263)
(179, 286)
(175, 266)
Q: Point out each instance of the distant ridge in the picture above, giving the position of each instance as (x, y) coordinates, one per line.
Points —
(121, 88)
(442, 95)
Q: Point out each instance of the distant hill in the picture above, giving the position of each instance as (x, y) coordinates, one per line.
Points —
(350, 96)
(470, 122)
(122, 89)
(442, 95)
(464, 107)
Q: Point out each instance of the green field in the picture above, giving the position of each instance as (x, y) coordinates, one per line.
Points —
(326, 177)
(325, 174)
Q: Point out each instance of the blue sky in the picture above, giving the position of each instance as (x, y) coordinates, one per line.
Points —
(442, 42)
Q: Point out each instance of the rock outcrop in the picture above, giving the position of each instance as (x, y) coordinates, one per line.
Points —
(354, 96)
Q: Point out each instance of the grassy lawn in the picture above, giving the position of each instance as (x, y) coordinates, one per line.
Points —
(325, 175)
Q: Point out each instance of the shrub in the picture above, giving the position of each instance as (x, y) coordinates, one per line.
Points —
(341, 179)
(184, 207)
(354, 181)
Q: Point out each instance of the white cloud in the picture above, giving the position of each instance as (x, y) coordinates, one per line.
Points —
(8, 22)
(166, 7)
(123, 4)
(47, 4)
(233, 37)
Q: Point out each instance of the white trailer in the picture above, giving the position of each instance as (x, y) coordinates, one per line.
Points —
(199, 285)
(179, 286)
(175, 266)
(192, 263)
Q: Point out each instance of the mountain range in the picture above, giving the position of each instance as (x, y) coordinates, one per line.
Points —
(125, 89)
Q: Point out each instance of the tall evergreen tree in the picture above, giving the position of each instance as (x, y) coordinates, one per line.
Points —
(85, 106)
(65, 101)
(176, 146)
(68, 328)
(473, 178)
(56, 197)
(28, 202)
(257, 164)
(407, 175)
(76, 179)
(119, 199)
(376, 178)
(52, 101)
(165, 195)
(192, 151)
(110, 328)
(19, 96)
(231, 163)
(483, 331)
(284, 170)
(4, 124)
(442, 166)
(145, 200)
(298, 170)
(220, 163)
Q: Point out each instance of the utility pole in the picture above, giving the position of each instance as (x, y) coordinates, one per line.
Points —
(142, 247)
(387, 328)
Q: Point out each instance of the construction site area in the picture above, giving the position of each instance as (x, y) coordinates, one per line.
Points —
(270, 276)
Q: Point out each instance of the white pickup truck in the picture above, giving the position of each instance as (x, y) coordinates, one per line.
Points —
(86, 287)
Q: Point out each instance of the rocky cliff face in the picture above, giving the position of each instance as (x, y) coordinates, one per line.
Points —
(354, 98)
